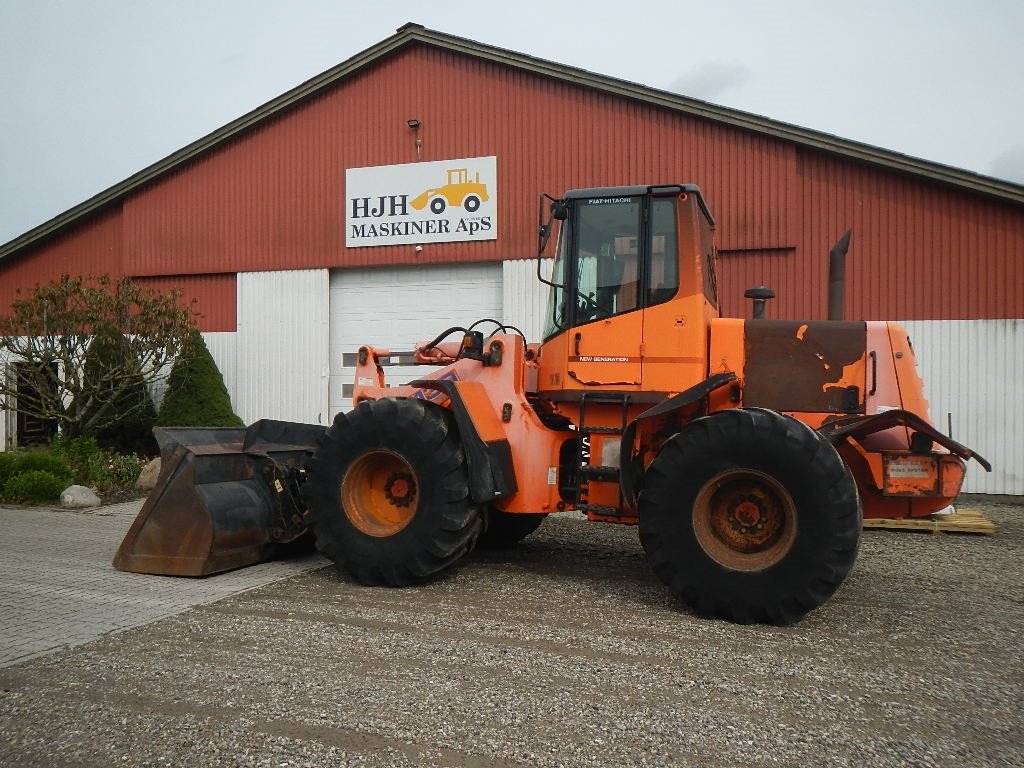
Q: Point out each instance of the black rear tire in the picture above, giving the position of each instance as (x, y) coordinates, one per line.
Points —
(388, 494)
(504, 529)
(750, 516)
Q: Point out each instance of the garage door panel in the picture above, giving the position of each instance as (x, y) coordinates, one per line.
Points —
(395, 307)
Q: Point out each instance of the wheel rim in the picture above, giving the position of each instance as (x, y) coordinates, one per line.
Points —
(745, 520)
(379, 493)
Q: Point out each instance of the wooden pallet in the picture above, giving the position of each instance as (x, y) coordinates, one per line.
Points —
(962, 521)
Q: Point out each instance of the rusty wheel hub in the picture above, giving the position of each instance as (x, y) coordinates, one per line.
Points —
(400, 489)
(745, 520)
(379, 493)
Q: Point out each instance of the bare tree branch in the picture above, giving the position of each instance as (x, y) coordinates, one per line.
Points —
(47, 338)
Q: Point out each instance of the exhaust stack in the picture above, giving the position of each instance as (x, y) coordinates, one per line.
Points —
(837, 276)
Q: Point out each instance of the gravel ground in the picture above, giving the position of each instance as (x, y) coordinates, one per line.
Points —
(565, 651)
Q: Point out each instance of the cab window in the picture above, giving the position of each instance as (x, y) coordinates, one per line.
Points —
(608, 258)
(663, 275)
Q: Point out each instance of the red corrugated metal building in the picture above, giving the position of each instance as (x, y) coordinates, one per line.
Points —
(266, 194)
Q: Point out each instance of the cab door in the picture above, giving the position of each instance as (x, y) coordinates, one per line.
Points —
(606, 324)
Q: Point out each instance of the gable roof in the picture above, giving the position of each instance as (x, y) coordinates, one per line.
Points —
(414, 34)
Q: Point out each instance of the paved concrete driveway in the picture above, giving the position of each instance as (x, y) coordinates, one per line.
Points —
(58, 588)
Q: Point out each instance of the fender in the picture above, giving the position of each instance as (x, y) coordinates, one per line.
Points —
(858, 427)
(632, 472)
(492, 473)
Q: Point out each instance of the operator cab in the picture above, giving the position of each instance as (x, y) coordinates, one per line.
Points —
(615, 241)
(624, 255)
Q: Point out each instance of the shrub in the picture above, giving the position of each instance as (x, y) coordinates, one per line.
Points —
(6, 467)
(115, 474)
(82, 454)
(196, 395)
(41, 461)
(35, 486)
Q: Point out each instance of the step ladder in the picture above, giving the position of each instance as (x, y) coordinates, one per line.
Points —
(587, 471)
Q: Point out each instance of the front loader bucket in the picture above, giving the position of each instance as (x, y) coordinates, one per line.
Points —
(226, 498)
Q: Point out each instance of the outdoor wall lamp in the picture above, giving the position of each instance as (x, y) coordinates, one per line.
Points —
(414, 124)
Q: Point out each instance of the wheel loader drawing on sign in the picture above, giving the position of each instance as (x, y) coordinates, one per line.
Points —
(459, 190)
(746, 451)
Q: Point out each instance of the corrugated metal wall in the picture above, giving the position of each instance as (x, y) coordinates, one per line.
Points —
(972, 371)
(524, 297)
(273, 199)
(93, 248)
(919, 251)
(775, 268)
(213, 297)
(281, 368)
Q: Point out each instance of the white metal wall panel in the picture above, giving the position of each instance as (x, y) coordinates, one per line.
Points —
(8, 419)
(972, 371)
(281, 368)
(394, 307)
(524, 297)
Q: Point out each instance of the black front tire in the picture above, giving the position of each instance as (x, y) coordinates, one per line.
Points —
(750, 516)
(388, 494)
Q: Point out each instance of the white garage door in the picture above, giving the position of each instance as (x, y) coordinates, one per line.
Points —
(395, 307)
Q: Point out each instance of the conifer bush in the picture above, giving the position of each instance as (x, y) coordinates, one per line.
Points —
(115, 386)
(196, 395)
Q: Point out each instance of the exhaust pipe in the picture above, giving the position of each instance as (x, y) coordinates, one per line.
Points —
(837, 276)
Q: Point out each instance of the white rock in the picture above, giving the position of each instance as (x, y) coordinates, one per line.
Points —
(78, 496)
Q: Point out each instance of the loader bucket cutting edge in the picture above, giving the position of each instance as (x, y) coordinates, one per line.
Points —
(219, 503)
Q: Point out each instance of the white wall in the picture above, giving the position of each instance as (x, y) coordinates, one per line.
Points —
(280, 368)
(524, 296)
(972, 371)
(7, 418)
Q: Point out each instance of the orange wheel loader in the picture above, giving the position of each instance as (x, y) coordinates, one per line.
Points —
(746, 451)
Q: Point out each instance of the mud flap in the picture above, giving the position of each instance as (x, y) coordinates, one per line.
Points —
(226, 498)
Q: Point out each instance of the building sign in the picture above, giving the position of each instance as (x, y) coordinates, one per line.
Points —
(438, 202)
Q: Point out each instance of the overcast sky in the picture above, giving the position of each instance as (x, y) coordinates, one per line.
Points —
(92, 91)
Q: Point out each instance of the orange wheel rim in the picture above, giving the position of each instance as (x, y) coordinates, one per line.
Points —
(745, 520)
(379, 493)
